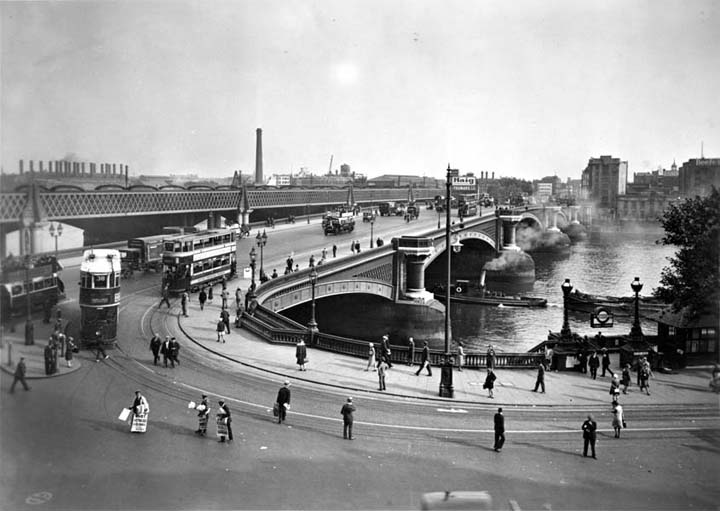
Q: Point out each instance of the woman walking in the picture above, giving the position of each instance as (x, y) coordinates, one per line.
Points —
(618, 421)
(490, 383)
(371, 358)
(461, 356)
(625, 378)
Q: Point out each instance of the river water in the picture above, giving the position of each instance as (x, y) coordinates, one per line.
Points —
(604, 263)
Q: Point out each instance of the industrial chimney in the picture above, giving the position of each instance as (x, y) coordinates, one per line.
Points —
(258, 158)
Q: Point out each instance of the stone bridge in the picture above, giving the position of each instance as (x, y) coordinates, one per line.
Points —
(400, 273)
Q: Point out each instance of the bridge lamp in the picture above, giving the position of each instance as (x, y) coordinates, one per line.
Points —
(636, 330)
(372, 223)
(456, 245)
(566, 288)
(261, 240)
(312, 324)
(250, 296)
(56, 233)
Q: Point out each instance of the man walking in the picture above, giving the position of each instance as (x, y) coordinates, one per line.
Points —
(225, 294)
(155, 344)
(202, 298)
(424, 360)
(606, 363)
(165, 296)
(594, 363)
(334, 249)
(174, 351)
(382, 370)
(19, 376)
(589, 429)
(499, 430)
(283, 401)
(165, 351)
(347, 413)
(183, 302)
(224, 418)
(540, 382)
(225, 317)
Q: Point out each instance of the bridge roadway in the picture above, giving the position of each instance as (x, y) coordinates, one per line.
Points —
(63, 445)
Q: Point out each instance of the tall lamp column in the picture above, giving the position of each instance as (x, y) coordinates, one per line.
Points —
(372, 223)
(250, 296)
(636, 330)
(261, 240)
(312, 324)
(566, 288)
(446, 375)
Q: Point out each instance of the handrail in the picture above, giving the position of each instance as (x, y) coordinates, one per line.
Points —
(266, 325)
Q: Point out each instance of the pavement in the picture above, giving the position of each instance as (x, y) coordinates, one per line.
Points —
(12, 347)
(513, 386)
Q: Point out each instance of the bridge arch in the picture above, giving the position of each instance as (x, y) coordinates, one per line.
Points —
(460, 236)
(281, 299)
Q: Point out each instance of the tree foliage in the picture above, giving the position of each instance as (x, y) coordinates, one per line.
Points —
(692, 279)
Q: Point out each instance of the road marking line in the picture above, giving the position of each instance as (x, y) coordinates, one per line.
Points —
(449, 430)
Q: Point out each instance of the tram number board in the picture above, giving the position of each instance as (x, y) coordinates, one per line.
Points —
(90, 298)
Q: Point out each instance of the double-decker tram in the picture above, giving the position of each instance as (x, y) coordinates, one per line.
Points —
(37, 276)
(193, 260)
(99, 296)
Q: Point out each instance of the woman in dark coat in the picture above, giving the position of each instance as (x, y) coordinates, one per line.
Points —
(301, 354)
(490, 383)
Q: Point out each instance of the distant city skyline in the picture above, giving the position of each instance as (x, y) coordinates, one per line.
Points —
(524, 89)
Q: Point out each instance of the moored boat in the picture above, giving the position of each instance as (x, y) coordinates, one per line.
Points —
(585, 302)
(505, 301)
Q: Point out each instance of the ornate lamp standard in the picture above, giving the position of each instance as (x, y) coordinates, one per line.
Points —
(261, 240)
(636, 330)
(312, 324)
(372, 223)
(56, 233)
(566, 288)
(446, 374)
(250, 296)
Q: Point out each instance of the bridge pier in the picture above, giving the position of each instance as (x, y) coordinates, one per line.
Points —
(410, 259)
(513, 266)
(575, 230)
(551, 211)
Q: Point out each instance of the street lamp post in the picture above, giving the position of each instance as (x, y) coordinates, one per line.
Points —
(312, 324)
(372, 223)
(261, 240)
(446, 374)
(636, 330)
(566, 288)
(56, 233)
(250, 296)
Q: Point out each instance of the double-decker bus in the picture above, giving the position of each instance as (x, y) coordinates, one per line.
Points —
(191, 261)
(99, 296)
(467, 204)
(40, 278)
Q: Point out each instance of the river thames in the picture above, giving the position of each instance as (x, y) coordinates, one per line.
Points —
(604, 263)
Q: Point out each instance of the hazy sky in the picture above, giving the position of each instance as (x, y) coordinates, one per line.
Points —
(521, 88)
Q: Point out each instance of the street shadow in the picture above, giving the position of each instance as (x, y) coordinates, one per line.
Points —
(98, 425)
(685, 386)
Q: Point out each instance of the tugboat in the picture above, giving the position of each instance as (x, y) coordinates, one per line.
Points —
(462, 293)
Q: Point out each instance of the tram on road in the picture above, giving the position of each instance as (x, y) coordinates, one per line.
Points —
(191, 261)
(41, 279)
(99, 296)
